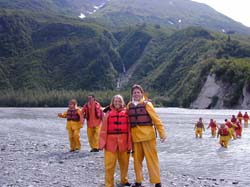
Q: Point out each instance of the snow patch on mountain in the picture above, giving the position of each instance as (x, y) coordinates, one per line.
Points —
(98, 7)
(82, 16)
(170, 22)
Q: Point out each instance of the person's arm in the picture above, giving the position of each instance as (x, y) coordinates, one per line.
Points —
(62, 115)
(156, 121)
(85, 111)
(129, 137)
(103, 133)
(81, 116)
(218, 133)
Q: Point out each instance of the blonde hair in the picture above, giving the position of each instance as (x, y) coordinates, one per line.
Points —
(119, 97)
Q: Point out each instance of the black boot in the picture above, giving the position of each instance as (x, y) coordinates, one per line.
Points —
(126, 184)
(158, 185)
(137, 184)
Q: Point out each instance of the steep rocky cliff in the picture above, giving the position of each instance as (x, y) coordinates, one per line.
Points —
(214, 94)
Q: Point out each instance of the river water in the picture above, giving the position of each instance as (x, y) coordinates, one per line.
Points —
(182, 153)
(204, 157)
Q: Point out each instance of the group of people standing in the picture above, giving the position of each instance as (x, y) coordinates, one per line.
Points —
(119, 129)
(230, 129)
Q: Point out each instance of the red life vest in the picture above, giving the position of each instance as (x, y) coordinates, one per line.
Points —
(239, 115)
(118, 122)
(223, 132)
(98, 111)
(246, 117)
(238, 126)
(72, 115)
(199, 125)
(233, 120)
(229, 125)
(213, 125)
(138, 115)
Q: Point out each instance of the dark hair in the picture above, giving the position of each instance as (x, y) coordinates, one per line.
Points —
(91, 96)
(136, 86)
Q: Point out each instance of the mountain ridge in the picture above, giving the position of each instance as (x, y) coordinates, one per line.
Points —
(44, 53)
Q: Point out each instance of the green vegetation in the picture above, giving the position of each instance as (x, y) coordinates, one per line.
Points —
(48, 58)
(235, 73)
(54, 98)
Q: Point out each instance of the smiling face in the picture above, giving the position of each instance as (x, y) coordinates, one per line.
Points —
(72, 105)
(91, 99)
(137, 94)
(117, 103)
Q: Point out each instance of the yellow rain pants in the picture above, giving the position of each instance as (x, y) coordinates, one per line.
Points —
(93, 136)
(231, 133)
(74, 139)
(148, 150)
(110, 159)
(246, 123)
(198, 132)
(224, 141)
(213, 132)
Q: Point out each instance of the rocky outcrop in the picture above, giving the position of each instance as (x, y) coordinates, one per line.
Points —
(246, 98)
(214, 93)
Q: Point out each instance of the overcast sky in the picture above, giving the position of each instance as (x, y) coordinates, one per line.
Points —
(239, 10)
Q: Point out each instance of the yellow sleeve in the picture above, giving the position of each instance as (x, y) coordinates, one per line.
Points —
(63, 115)
(156, 120)
(79, 112)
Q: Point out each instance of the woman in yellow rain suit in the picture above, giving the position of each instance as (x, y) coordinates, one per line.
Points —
(143, 121)
(115, 138)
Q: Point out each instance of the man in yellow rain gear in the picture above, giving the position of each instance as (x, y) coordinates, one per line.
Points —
(199, 126)
(74, 124)
(143, 121)
(92, 112)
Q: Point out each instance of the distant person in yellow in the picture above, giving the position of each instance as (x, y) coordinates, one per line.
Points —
(246, 118)
(213, 127)
(92, 112)
(231, 126)
(143, 121)
(199, 128)
(74, 124)
(239, 117)
(224, 134)
(115, 139)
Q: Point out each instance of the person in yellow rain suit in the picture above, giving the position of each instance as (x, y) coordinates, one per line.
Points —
(246, 118)
(213, 127)
(92, 112)
(199, 126)
(224, 134)
(115, 138)
(143, 120)
(231, 126)
(74, 124)
(239, 117)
